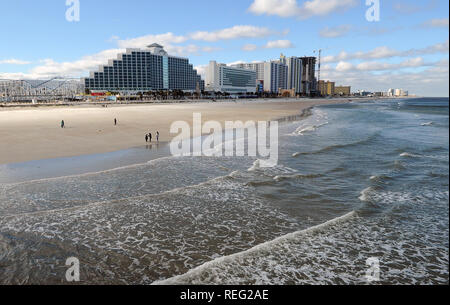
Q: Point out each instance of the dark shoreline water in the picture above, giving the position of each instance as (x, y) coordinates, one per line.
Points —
(383, 164)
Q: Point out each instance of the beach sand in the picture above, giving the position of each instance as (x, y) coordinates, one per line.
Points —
(34, 134)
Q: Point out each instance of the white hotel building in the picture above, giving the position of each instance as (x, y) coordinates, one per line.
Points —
(223, 78)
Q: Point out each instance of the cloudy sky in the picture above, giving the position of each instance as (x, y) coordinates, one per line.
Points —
(407, 48)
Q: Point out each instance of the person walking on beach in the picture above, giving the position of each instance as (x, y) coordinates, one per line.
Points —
(150, 137)
(146, 137)
(157, 136)
(115, 122)
(62, 124)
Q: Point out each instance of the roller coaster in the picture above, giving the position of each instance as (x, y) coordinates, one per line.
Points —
(52, 89)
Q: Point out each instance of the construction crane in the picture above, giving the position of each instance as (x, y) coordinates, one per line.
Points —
(319, 66)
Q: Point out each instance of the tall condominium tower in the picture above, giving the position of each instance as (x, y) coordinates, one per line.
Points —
(308, 78)
(294, 65)
(220, 77)
(145, 70)
(275, 76)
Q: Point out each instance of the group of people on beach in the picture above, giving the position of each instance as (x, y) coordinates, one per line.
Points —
(149, 137)
(63, 124)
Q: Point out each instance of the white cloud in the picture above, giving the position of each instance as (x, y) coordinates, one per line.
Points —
(143, 41)
(386, 52)
(290, 8)
(201, 70)
(436, 23)
(236, 32)
(412, 7)
(51, 68)
(343, 66)
(432, 81)
(279, 44)
(380, 66)
(335, 31)
(371, 66)
(14, 62)
(275, 44)
(171, 42)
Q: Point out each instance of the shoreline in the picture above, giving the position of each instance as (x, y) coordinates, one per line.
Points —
(5, 106)
(34, 134)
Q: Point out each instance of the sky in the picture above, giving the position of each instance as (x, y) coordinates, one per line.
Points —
(406, 47)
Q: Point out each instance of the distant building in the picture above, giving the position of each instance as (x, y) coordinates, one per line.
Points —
(287, 93)
(342, 90)
(275, 76)
(308, 78)
(258, 67)
(294, 65)
(223, 78)
(297, 73)
(145, 70)
(326, 88)
(397, 93)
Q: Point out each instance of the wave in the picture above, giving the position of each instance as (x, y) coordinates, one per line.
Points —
(398, 165)
(195, 273)
(338, 146)
(380, 178)
(409, 155)
(427, 124)
(91, 173)
(308, 128)
(135, 198)
(268, 165)
(364, 195)
(295, 176)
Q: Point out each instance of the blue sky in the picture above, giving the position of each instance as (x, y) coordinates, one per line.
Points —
(407, 48)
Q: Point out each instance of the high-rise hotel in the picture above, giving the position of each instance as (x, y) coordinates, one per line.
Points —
(220, 77)
(145, 70)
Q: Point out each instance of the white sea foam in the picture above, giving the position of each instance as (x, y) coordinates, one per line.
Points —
(364, 196)
(409, 155)
(427, 124)
(195, 273)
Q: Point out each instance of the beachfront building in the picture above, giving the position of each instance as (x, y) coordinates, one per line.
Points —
(294, 65)
(308, 78)
(256, 66)
(342, 90)
(400, 92)
(296, 74)
(234, 80)
(326, 88)
(331, 86)
(145, 70)
(275, 76)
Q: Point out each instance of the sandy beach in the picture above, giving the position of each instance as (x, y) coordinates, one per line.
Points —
(34, 134)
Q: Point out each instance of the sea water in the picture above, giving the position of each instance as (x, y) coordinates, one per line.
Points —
(365, 180)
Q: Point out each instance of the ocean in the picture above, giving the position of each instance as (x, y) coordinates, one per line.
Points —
(355, 183)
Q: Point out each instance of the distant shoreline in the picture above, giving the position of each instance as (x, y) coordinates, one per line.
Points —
(10, 105)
